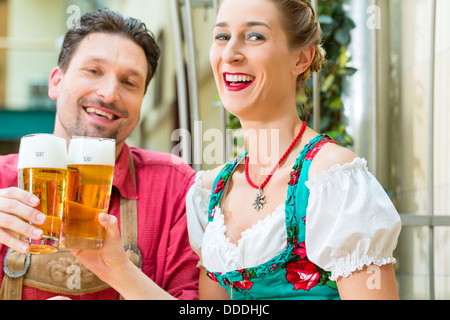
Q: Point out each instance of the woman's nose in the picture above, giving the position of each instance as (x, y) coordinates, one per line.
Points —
(232, 52)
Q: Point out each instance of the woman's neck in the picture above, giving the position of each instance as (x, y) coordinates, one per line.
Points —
(267, 141)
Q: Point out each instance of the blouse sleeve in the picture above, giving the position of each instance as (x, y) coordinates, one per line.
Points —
(350, 220)
(197, 203)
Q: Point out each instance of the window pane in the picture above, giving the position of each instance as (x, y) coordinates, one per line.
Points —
(410, 42)
(31, 51)
(412, 267)
(442, 111)
(442, 263)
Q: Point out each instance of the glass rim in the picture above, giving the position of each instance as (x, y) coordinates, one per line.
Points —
(92, 138)
(41, 134)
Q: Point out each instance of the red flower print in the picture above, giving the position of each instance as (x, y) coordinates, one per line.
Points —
(220, 185)
(244, 284)
(213, 212)
(294, 177)
(212, 276)
(302, 274)
(312, 153)
(300, 250)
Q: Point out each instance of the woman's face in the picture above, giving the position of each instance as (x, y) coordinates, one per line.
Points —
(252, 63)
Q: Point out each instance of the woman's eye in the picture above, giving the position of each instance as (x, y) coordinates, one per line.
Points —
(222, 37)
(256, 37)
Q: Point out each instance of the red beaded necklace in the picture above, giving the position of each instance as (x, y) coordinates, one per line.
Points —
(258, 204)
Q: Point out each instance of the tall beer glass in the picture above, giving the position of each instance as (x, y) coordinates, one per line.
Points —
(90, 171)
(42, 171)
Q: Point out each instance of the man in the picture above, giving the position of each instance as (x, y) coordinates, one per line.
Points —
(104, 69)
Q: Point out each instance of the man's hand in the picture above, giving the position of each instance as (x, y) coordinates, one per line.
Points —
(15, 204)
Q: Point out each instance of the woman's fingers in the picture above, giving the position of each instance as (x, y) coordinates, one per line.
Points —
(110, 223)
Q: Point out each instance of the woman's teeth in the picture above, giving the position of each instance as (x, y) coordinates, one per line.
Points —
(238, 78)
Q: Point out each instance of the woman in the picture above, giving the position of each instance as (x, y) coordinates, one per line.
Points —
(267, 236)
(296, 216)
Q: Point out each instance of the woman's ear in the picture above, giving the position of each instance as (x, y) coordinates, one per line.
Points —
(304, 59)
(53, 83)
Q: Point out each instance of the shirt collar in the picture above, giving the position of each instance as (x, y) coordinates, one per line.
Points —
(123, 179)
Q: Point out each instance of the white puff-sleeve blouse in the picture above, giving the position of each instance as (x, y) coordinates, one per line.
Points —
(350, 223)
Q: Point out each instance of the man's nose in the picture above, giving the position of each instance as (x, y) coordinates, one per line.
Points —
(108, 90)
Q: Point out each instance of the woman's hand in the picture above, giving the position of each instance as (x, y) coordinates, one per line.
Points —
(111, 256)
(111, 264)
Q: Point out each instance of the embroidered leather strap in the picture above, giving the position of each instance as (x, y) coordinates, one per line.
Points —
(15, 266)
(129, 224)
(61, 272)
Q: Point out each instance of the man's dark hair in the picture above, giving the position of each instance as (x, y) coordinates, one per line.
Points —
(108, 21)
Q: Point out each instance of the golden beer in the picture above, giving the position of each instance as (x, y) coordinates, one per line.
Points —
(89, 191)
(90, 173)
(42, 171)
(49, 186)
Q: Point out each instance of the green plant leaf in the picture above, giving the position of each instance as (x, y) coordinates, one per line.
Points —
(325, 19)
(349, 71)
(328, 82)
(342, 37)
(336, 104)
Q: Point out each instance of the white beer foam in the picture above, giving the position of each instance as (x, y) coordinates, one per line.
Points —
(94, 151)
(42, 151)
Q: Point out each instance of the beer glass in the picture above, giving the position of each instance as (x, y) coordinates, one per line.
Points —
(90, 171)
(42, 171)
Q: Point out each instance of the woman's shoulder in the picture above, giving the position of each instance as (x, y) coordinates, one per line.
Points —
(330, 155)
(208, 177)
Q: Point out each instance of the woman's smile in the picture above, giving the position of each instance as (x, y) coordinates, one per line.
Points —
(237, 81)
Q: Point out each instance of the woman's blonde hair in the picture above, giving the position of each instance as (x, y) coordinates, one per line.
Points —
(303, 30)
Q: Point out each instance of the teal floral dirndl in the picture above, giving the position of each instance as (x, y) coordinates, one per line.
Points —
(290, 274)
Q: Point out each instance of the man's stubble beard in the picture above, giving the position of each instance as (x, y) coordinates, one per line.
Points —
(78, 128)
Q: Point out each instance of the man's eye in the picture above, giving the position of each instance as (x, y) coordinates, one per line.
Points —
(92, 70)
(130, 83)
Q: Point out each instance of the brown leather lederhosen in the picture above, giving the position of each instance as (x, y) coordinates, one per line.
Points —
(61, 272)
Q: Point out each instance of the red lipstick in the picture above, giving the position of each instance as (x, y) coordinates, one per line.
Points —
(237, 81)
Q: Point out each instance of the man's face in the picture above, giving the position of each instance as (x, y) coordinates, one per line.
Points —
(101, 92)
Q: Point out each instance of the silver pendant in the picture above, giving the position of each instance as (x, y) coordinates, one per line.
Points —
(258, 204)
